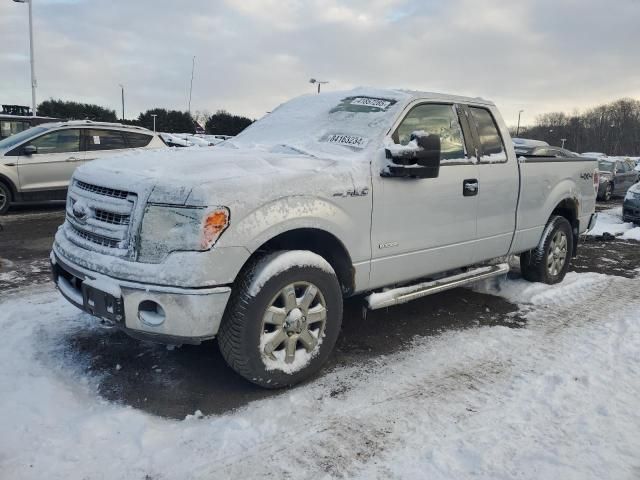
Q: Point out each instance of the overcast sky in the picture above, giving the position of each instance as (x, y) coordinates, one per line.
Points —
(535, 55)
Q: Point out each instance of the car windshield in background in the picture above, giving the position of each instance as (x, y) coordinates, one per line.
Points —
(332, 123)
(18, 138)
(606, 166)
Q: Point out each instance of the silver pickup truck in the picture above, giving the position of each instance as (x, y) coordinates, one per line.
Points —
(257, 241)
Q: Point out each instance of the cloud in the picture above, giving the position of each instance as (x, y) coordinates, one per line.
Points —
(537, 55)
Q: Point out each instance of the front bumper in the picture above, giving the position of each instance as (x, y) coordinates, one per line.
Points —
(173, 315)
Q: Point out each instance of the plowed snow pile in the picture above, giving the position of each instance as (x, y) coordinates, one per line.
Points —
(557, 398)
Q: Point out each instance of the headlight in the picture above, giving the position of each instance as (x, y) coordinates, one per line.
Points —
(167, 229)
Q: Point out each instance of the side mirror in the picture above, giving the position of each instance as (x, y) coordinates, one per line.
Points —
(29, 150)
(419, 159)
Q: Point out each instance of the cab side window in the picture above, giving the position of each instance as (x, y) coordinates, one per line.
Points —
(490, 140)
(105, 140)
(61, 141)
(435, 119)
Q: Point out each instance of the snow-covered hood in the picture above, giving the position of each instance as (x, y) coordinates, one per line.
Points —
(215, 176)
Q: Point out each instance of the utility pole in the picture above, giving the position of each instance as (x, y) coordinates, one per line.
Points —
(193, 66)
(154, 115)
(122, 88)
(518, 129)
(34, 82)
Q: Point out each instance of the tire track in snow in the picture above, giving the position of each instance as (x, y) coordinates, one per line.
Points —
(354, 436)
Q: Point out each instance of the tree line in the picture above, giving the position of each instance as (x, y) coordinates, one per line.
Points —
(612, 128)
(170, 121)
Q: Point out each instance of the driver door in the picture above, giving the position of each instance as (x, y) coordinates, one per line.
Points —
(50, 168)
(425, 226)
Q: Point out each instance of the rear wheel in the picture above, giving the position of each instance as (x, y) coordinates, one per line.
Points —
(5, 198)
(283, 319)
(549, 261)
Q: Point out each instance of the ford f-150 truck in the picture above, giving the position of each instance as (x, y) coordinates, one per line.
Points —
(258, 240)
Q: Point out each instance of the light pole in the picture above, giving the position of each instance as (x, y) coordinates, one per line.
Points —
(122, 89)
(34, 83)
(154, 115)
(518, 129)
(319, 82)
(563, 140)
(193, 67)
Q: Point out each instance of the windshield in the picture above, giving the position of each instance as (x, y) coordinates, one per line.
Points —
(606, 166)
(336, 123)
(18, 138)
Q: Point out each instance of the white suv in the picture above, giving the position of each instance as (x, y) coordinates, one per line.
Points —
(37, 164)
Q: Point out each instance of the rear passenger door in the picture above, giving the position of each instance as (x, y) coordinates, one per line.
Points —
(498, 184)
(102, 143)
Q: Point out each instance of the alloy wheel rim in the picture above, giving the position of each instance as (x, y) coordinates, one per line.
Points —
(557, 256)
(3, 199)
(293, 323)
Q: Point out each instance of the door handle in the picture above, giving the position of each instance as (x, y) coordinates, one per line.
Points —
(470, 187)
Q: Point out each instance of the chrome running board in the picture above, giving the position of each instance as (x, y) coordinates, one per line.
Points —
(396, 296)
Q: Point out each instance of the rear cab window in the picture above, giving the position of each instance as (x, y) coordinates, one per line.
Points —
(490, 141)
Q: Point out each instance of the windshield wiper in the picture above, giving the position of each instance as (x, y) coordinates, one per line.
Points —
(296, 149)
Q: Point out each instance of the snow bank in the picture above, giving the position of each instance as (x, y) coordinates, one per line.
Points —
(555, 399)
(610, 221)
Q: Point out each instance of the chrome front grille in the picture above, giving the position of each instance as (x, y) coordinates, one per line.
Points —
(97, 239)
(99, 218)
(109, 192)
(112, 218)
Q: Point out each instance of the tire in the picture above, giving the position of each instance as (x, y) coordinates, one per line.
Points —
(549, 261)
(608, 192)
(274, 342)
(5, 198)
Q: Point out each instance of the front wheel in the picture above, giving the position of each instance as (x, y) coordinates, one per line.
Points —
(283, 319)
(5, 198)
(549, 261)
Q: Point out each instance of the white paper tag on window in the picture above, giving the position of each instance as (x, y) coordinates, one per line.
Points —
(371, 102)
(96, 139)
(348, 140)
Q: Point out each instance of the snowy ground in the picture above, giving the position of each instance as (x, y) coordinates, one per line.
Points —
(554, 399)
(547, 391)
(610, 221)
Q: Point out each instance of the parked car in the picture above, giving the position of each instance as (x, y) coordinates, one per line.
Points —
(524, 146)
(257, 241)
(550, 151)
(12, 124)
(593, 154)
(631, 205)
(616, 177)
(37, 164)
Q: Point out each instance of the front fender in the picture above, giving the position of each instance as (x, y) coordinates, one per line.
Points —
(285, 214)
(9, 174)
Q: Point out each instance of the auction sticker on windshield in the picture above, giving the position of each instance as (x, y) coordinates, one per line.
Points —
(355, 141)
(364, 105)
(371, 102)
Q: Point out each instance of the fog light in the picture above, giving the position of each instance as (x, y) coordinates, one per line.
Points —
(151, 313)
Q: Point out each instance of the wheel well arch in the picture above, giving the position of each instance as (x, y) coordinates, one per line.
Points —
(7, 181)
(321, 242)
(568, 208)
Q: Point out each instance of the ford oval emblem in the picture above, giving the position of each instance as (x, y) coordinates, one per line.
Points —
(80, 212)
